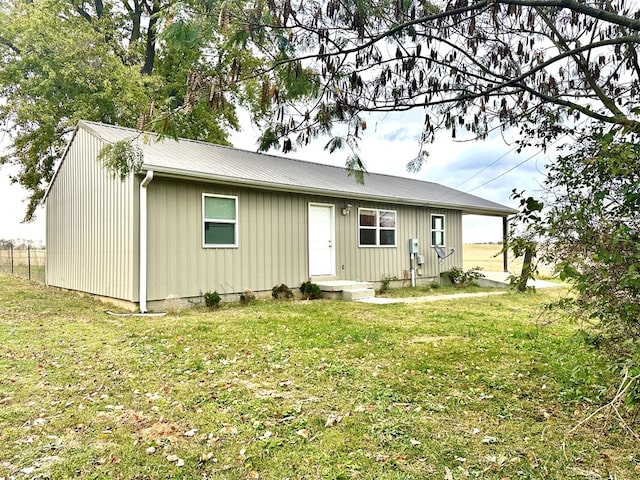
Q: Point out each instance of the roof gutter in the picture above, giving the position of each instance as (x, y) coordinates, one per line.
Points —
(186, 175)
(143, 240)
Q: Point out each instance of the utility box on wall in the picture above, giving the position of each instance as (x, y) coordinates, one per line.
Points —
(413, 245)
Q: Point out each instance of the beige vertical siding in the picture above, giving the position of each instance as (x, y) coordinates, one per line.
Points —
(272, 244)
(92, 235)
(90, 229)
(271, 248)
(375, 263)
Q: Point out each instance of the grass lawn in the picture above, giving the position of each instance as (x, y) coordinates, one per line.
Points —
(474, 388)
(428, 291)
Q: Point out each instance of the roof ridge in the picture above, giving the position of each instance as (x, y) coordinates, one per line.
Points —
(279, 157)
(250, 162)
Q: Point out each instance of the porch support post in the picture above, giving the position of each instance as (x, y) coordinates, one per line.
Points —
(505, 239)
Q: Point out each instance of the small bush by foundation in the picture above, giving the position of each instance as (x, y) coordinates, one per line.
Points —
(212, 299)
(247, 297)
(310, 291)
(281, 292)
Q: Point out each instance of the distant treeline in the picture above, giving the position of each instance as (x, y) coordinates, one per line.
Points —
(20, 244)
(483, 243)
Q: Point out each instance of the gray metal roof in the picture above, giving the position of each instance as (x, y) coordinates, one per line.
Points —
(205, 161)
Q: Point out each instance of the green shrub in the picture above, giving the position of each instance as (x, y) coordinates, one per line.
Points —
(435, 285)
(385, 283)
(310, 291)
(461, 278)
(212, 299)
(247, 297)
(281, 292)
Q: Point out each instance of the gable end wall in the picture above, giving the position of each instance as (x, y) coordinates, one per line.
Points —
(91, 225)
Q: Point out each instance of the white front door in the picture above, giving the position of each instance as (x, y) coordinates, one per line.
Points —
(322, 259)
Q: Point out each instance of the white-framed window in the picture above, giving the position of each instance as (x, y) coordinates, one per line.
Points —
(219, 221)
(376, 228)
(437, 231)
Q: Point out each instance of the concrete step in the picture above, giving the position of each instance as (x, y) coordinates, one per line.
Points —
(353, 294)
(341, 285)
(348, 290)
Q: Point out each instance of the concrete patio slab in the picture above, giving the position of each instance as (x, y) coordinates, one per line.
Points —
(435, 298)
(503, 278)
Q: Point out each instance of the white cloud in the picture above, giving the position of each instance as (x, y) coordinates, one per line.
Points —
(13, 205)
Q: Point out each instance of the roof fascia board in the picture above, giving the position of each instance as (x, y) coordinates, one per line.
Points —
(64, 156)
(193, 176)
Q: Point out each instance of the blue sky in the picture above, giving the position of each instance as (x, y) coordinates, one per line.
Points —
(389, 142)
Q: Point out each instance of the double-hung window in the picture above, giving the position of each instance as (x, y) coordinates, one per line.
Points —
(376, 228)
(219, 221)
(437, 231)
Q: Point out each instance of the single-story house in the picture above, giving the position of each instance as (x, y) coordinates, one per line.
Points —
(200, 218)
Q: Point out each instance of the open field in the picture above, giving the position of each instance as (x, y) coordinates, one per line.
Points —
(22, 258)
(480, 388)
(489, 258)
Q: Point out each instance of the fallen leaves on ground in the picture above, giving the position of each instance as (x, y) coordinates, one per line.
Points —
(332, 420)
(161, 430)
(230, 429)
(175, 459)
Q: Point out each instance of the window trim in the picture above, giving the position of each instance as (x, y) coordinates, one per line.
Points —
(219, 220)
(377, 228)
(443, 230)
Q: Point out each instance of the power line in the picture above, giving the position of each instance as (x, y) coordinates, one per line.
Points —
(497, 176)
(509, 170)
(490, 165)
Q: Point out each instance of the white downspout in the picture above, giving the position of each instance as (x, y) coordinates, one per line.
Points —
(143, 240)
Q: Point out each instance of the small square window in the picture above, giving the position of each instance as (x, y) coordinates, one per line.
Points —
(219, 233)
(220, 221)
(368, 218)
(387, 219)
(220, 207)
(376, 228)
(367, 237)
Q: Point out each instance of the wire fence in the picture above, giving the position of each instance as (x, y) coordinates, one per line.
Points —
(26, 262)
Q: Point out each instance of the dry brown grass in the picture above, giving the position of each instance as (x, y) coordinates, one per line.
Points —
(489, 258)
(24, 263)
(22, 257)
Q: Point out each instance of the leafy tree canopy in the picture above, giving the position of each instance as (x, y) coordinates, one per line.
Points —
(123, 62)
(179, 67)
(591, 229)
(540, 66)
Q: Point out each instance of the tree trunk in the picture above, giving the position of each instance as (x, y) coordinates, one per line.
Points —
(150, 51)
(99, 7)
(135, 13)
(525, 273)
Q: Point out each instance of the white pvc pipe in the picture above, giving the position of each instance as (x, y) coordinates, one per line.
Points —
(143, 240)
(413, 269)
